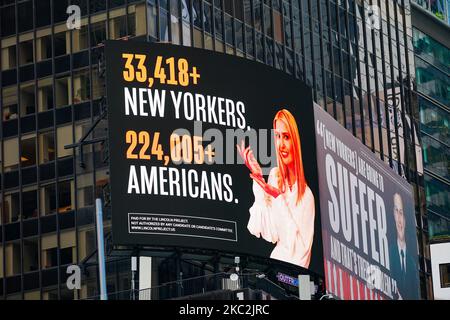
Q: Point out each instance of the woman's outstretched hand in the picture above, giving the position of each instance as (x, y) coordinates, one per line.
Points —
(255, 169)
(249, 159)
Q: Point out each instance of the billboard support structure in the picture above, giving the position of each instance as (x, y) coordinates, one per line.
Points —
(304, 287)
(101, 248)
(179, 274)
(134, 269)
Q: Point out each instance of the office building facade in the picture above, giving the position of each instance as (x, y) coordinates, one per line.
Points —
(356, 55)
(432, 59)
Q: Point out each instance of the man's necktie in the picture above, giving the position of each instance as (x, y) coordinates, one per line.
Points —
(402, 255)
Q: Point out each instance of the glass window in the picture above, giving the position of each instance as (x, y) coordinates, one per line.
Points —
(239, 9)
(436, 157)
(27, 99)
(44, 48)
(239, 35)
(258, 16)
(46, 147)
(434, 120)
(197, 17)
(29, 204)
(45, 94)
(83, 4)
(278, 27)
(98, 33)
(208, 17)
(62, 92)
(8, 21)
(86, 242)
(49, 244)
(59, 42)
(186, 20)
(80, 39)
(437, 196)
(9, 57)
(163, 25)
(30, 255)
(116, 3)
(438, 227)
(102, 179)
(135, 25)
(11, 207)
(175, 21)
(81, 86)
(85, 190)
(10, 110)
(66, 196)
(64, 137)
(26, 52)
(267, 21)
(43, 12)
(68, 250)
(48, 199)
(80, 131)
(11, 154)
(59, 10)
(431, 51)
(98, 85)
(118, 27)
(67, 255)
(25, 13)
(432, 82)
(13, 258)
(28, 148)
(444, 272)
(97, 5)
(152, 20)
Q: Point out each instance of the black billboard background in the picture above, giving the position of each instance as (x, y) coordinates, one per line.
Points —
(263, 90)
(392, 184)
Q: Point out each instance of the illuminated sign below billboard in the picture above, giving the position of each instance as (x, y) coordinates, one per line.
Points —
(287, 279)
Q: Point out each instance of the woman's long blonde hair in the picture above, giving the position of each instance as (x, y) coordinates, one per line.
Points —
(289, 120)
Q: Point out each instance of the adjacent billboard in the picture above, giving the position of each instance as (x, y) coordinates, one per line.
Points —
(211, 151)
(368, 221)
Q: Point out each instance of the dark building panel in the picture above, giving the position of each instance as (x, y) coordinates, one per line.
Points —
(30, 228)
(31, 281)
(48, 224)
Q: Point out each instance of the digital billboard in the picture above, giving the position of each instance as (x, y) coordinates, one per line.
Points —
(368, 220)
(211, 151)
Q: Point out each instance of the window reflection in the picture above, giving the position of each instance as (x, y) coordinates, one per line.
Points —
(432, 82)
(431, 51)
(436, 156)
(437, 196)
(434, 120)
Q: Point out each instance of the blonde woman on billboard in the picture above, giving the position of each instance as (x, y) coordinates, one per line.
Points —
(283, 211)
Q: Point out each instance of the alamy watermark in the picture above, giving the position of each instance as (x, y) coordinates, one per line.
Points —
(74, 280)
(74, 19)
(223, 142)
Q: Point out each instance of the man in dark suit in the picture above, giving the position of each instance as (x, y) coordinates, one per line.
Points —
(403, 259)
